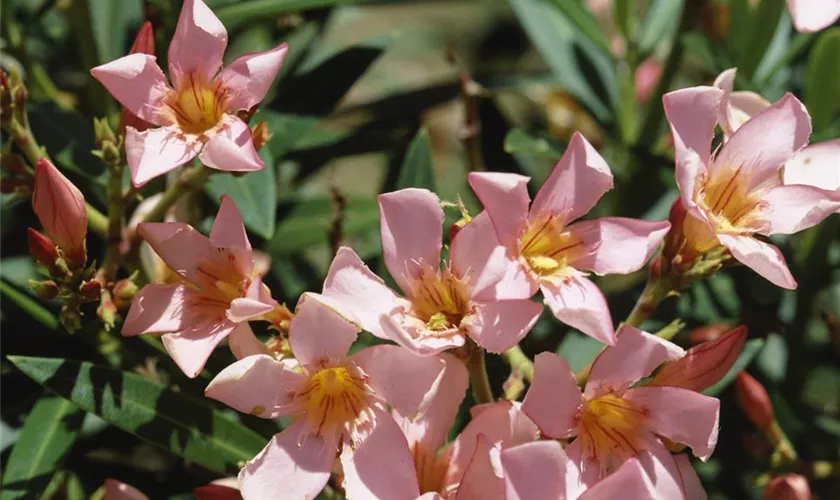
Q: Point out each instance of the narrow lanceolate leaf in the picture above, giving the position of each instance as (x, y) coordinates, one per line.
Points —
(763, 23)
(417, 168)
(749, 352)
(821, 95)
(47, 435)
(254, 193)
(175, 422)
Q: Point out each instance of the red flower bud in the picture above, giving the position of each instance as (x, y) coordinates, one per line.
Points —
(144, 43)
(90, 290)
(60, 207)
(703, 365)
(788, 487)
(708, 333)
(42, 250)
(754, 401)
(216, 492)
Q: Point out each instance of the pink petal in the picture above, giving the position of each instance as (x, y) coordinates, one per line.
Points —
(156, 151)
(505, 197)
(483, 476)
(617, 245)
(535, 471)
(228, 229)
(410, 226)
(477, 256)
(381, 465)
(588, 469)
(156, 309)
(319, 332)
(498, 326)
(352, 285)
(680, 415)
(628, 481)
(420, 342)
(554, 399)
(191, 348)
(764, 143)
(231, 149)
(663, 472)
(703, 365)
(633, 357)
(244, 343)
(691, 483)
(179, 245)
(578, 181)
(736, 107)
(199, 42)
(793, 208)
(579, 303)
(118, 490)
(249, 77)
(810, 15)
(137, 82)
(294, 464)
(243, 309)
(763, 258)
(257, 385)
(816, 165)
(401, 379)
(517, 282)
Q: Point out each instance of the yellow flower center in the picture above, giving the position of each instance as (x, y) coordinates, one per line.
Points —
(333, 398)
(728, 202)
(611, 426)
(440, 299)
(197, 106)
(547, 249)
(221, 278)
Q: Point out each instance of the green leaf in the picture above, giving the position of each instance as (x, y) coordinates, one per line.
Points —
(821, 95)
(660, 24)
(286, 130)
(584, 22)
(48, 434)
(29, 304)
(110, 22)
(254, 193)
(763, 23)
(175, 422)
(243, 12)
(751, 348)
(519, 141)
(417, 168)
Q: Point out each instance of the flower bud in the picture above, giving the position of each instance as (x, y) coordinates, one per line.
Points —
(703, 365)
(60, 207)
(754, 401)
(647, 75)
(90, 290)
(788, 487)
(708, 333)
(261, 135)
(102, 132)
(216, 492)
(45, 290)
(124, 291)
(107, 311)
(43, 250)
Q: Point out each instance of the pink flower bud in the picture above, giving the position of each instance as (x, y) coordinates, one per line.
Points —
(704, 364)
(216, 492)
(42, 250)
(60, 207)
(754, 401)
(647, 75)
(788, 487)
(144, 43)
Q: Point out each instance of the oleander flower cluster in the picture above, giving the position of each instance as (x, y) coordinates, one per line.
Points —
(375, 418)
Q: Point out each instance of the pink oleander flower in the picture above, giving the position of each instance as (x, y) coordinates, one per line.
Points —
(541, 471)
(144, 43)
(612, 421)
(737, 193)
(547, 250)
(788, 487)
(60, 207)
(197, 114)
(338, 404)
(218, 295)
(813, 15)
(442, 305)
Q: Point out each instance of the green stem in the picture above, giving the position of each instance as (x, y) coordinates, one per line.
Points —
(115, 220)
(479, 382)
(521, 368)
(191, 180)
(657, 289)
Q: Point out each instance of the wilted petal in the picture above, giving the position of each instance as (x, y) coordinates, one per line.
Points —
(617, 245)
(810, 15)
(137, 82)
(381, 465)
(156, 309)
(410, 226)
(320, 332)
(578, 181)
(680, 415)
(633, 357)
(156, 151)
(628, 481)
(498, 326)
(763, 258)
(294, 464)
(554, 399)
(199, 42)
(179, 245)
(257, 385)
(191, 348)
(793, 208)
(478, 257)
(249, 77)
(505, 197)
(228, 229)
(579, 303)
(231, 149)
(534, 471)
(244, 343)
(703, 365)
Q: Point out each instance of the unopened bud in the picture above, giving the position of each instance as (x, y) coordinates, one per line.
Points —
(704, 364)
(43, 250)
(261, 134)
(788, 487)
(70, 317)
(708, 333)
(216, 492)
(90, 290)
(754, 401)
(60, 207)
(102, 132)
(107, 311)
(124, 291)
(45, 290)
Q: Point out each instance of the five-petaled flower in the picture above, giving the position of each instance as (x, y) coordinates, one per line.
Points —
(218, 294)
(442, 306)
(737, 192)
(196, 115)
(545, 250)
